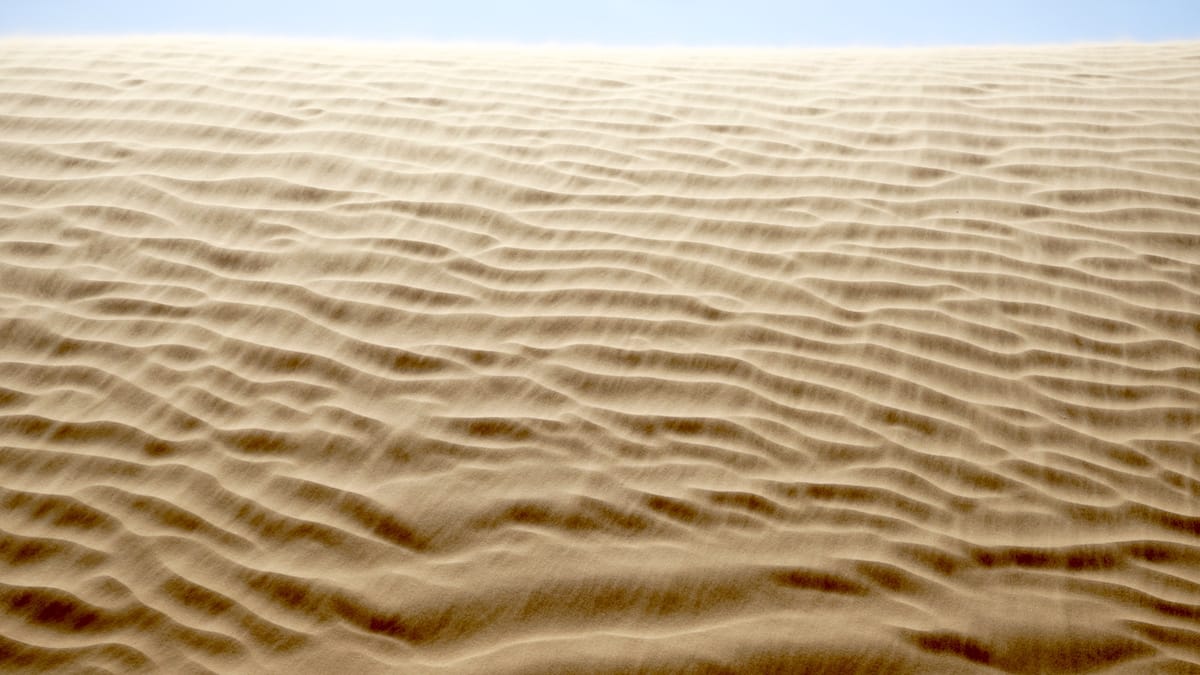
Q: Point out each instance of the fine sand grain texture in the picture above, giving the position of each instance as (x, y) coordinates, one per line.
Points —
(322, 358)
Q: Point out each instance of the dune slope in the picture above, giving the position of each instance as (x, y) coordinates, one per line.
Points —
(319, 358)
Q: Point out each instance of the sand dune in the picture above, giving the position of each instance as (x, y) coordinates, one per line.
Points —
(319, 358)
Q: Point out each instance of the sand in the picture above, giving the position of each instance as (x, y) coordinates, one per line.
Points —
(324, 358)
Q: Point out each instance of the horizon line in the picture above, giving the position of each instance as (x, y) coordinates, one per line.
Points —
(549, 44)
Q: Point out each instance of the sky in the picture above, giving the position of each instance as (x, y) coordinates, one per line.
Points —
(766, 23)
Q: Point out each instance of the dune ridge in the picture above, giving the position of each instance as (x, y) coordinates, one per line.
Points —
(323, 358)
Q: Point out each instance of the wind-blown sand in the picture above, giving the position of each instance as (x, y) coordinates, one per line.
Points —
(332, 359)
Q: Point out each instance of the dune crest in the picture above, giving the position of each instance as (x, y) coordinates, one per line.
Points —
(317, 358)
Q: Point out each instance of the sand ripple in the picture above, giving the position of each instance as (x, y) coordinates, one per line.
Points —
(331, 359)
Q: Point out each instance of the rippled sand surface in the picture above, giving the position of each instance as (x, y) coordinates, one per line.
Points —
(319, 358)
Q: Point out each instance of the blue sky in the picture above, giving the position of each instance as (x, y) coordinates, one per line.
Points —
(627, 22)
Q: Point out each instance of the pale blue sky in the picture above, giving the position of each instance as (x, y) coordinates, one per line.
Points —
(627, 22)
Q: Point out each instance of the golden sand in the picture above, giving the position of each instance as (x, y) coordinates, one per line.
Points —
(321, 358)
